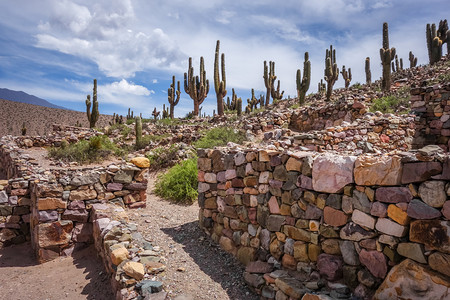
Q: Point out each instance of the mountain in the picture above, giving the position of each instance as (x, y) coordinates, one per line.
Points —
(19, 96)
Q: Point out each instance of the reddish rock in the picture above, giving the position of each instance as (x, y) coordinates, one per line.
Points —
(446, 210)
(331, 173)
(80, 215)
(114, 187)
(274, 208)
(289, 262)
(334, 217)
(374, 261)
(330, 266)
(421, 171)
(259, 267)
(422, 211)
(79, 204)
(378, 209)
(54, 234)
(393, 194)
(83, 233)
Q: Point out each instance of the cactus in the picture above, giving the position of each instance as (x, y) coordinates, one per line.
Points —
(138, 132)
(331, 70)
(435, 39)
(24, 129)
(303, 83)
(220, 85)
(386, 55)
(113, 120)
(239, 106)
(92, 115)
(269, 79)
(276, 95)
(412, 60)
(130, 116)
(196, 87)
(165, 111)
(171, 96)
(155, 113)
(321, 87)
(368, 73)
(347, 75)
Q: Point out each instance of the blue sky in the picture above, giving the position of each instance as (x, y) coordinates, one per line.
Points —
(54, 48)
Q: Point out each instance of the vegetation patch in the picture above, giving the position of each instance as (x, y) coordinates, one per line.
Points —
(220, 136)
(96, 149)
(162, 157)
(179, 183)
(390, 104)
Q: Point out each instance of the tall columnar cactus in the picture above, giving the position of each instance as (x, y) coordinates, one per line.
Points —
(196, 87)
(220, 85)
(321, 87)
(347, 75)
(24, 129)
(435, 39)
(92, 115)
(239, 106)
(386, 55)
(155, 113)
(138, 131)
(269, 79)
(171, 92)
(412, 60)
(276, 95)
(368, 73)
(303, 82)
(331, 70)
(165, 112)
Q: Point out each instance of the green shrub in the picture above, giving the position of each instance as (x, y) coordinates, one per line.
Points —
(220, 136)
(168, 122)
(96, 149)
(388, 104)
(179, 183)
(161, 157)
(130, 121)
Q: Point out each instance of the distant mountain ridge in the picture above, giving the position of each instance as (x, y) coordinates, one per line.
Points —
(19, 96)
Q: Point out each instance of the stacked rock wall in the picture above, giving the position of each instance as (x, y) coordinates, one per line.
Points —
(303, 222)
(432, 107)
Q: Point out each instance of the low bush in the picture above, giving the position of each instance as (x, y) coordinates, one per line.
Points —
(161, 157)
(179, 183)
(96, 149)
(220, 136)
(389, 104)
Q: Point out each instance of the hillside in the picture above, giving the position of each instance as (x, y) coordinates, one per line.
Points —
(39, 119)
(19, 96)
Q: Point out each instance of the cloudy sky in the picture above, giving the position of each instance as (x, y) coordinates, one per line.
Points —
(54, 48)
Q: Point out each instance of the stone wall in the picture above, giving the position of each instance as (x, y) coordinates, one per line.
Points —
(432, 107)
(306, 222)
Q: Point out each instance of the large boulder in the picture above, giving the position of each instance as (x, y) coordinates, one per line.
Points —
(403, 282)
(384, 170)
(331, 173)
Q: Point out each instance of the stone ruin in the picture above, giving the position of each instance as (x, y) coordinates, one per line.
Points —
(311, 217)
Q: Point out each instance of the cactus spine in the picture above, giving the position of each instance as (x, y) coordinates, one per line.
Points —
(412, 60)
(303, 83)
(386, 55)
(220, 85)
(92, 115)
(196, 87)
(331, 70)
(347, 75)
(269, 79)
(173, 101)
(138, 131)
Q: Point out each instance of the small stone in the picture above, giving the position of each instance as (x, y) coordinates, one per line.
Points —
(119, 255)
(440, 262)
(334, 217)
(330, 266)
(389, 227)
(141, 162)
(378, 209)
(363, 219)
(398, 215)
(374, 261)
(419, 210)
(433, 193)
(349, 253)
(393, 194)
(290, 287)
(134, 270)
(413, 251)
(354, 232)
(258, 267)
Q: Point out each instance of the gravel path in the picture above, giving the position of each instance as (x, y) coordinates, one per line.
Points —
(196, 267)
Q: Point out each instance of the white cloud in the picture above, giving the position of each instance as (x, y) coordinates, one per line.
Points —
(382, 4)
(155, 81)
(225, 16)
(124, 87)
(284, 28)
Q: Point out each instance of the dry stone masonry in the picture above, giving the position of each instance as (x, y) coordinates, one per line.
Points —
(305, 222)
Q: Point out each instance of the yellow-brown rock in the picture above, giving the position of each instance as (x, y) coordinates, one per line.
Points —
(398, 215)
(134, 270)
(380, 170)
(51, 203)
(141, 162)
(119, 255)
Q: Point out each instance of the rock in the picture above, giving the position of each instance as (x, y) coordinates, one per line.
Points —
(54, 234)
(48, 215)
(83, 233)
(402, 283)
(134, 270)
(301, 251)
(227, 244)
(259, 267)
(331, 246)
(274, 222)
(374, 261)
(393, 194)
(354, 232)
(289, 262)
(413, 251)
(78, 215)
(349, 253)
(280, 173)
(315, 297)
(389, 227)
(419, 210)
(297, 233)
(274, 208)
(290, 287)
(141, 162)
(363, 219)
(446, 210)
(150, 287)
(335, 201)
(253, 280)
(82, 195)
(3, 197)
(433, 233)
(330, 266)
(50, 203)
(123, 176)
(81, 180)
(293, 164)
(331, 173)
(440, 262)
(246, 255)
(433, 193)
(398, 215)
(7, 235)
(334, 217)
(421, 171)
(378, 209)
(119, 255)
(380, 170)
(204, 164)
(313, 212)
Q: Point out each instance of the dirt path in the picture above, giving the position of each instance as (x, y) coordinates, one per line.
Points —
(71, 278)
(196, 268)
